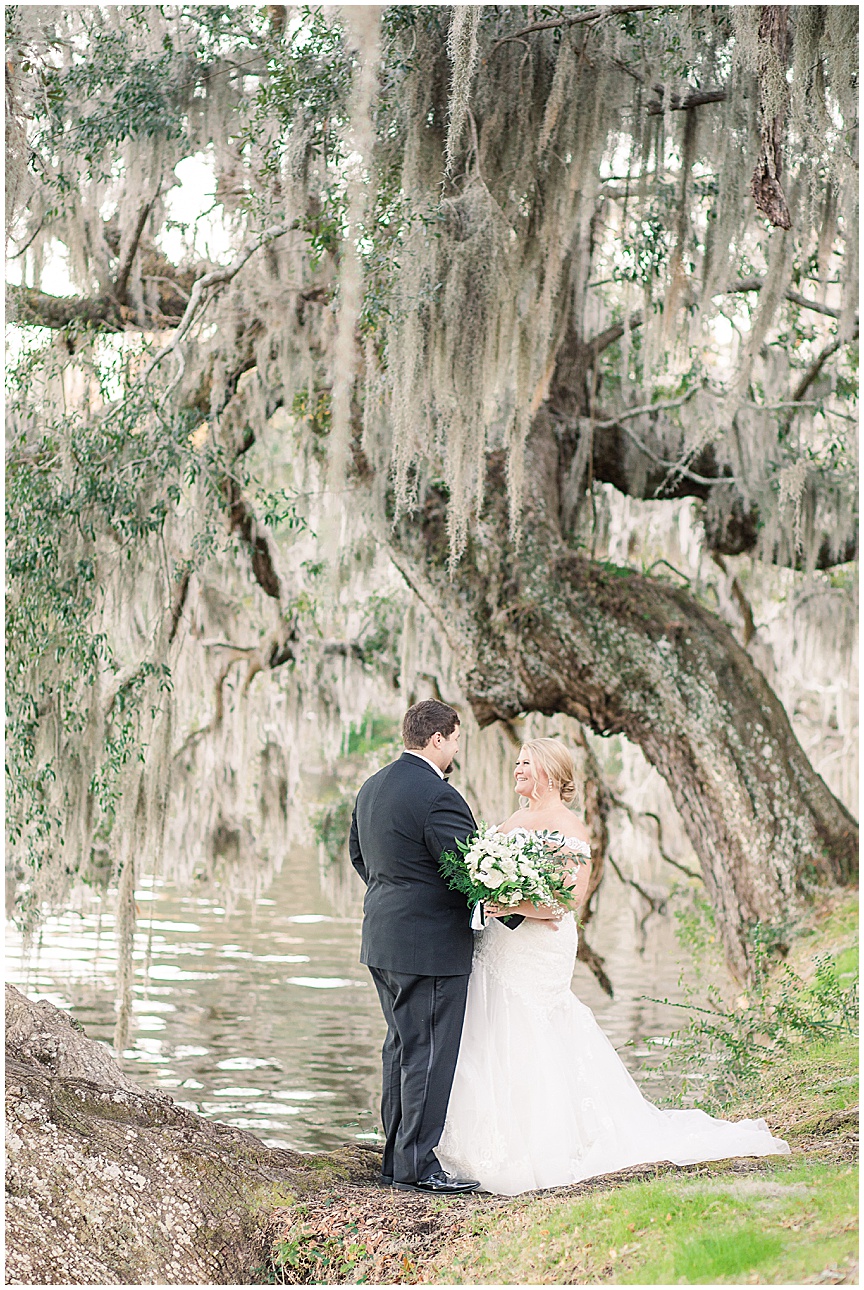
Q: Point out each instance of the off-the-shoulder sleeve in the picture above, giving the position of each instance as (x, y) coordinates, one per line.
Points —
(581, 847)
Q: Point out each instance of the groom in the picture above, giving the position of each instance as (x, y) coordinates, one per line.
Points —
(416, 941)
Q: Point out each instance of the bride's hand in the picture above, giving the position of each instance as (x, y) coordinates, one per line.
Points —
(494, 910)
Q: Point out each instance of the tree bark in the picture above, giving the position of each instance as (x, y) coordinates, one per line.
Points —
(109, 1184)
(774, 45)
(29, 307)
(543, 629)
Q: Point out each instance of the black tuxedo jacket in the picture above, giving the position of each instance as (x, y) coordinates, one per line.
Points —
(405, 816)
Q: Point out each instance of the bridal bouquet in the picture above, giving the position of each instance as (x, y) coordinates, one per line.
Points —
(508, 868)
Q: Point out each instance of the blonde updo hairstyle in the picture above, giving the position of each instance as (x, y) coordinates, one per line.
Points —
(553, 757)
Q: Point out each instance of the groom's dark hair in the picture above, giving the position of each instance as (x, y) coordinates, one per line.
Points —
(425, 719)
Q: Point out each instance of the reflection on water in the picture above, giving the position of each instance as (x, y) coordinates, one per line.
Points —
(264, 1018)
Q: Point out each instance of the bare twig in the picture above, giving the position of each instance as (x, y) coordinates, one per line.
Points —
(663, 560)
(815, 305)
(510, 731)
(741, 600)
(746, 611)
(635, 815)
(676, 864)
(433, 681)
(646, 407)
(594, 962)
(755, 283)
(637, 76)
(26, 247)
(160, 277)
(218, 712)
(657, 903)
(239, 650)
(779, 407)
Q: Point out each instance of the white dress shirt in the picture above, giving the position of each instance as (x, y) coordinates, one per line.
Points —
(437, 769)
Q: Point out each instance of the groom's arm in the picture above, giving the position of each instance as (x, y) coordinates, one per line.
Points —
(448, 820)
(354, 847)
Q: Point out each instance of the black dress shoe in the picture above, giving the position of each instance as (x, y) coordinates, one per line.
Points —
(440, 1184)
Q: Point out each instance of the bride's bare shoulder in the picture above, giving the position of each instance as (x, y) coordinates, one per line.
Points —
(514, 821)
(573, 827)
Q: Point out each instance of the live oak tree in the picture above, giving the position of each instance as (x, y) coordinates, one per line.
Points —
(488, 260)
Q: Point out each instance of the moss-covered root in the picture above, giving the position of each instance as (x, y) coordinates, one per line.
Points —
(110, 1184)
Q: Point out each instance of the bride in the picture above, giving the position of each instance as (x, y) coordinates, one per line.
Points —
(540, 1098)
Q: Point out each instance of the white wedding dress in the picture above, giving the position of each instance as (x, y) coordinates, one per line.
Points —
(540, 1098)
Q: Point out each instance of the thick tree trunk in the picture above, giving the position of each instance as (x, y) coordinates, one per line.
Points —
(543, 629)
(109, 1184)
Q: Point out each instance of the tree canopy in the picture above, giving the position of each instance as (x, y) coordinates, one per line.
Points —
(477, 254)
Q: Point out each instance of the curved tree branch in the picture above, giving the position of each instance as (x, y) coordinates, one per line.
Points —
(754, 283)
(591, 16)
(677, 104)
(29, 307)
(218, 278)
(181, 294)
(614, 332)
(548, 630)
(642, 469)
(676, 469)
(608, 337)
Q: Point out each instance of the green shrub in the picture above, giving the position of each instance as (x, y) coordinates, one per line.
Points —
(728, 1041)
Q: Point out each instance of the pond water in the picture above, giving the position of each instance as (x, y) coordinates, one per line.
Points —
(263, 1016)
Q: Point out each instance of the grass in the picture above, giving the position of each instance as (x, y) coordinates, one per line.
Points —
(778, 1220)
(783, 1223)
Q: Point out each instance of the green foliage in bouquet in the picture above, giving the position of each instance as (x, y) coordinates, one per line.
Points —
(506, 868)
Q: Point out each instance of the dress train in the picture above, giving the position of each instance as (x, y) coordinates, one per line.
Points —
(540, 1098)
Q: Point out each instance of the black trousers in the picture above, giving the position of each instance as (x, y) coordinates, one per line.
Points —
(424, 1016)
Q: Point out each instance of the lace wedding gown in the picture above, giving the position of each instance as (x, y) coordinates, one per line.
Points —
(540, 1098)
